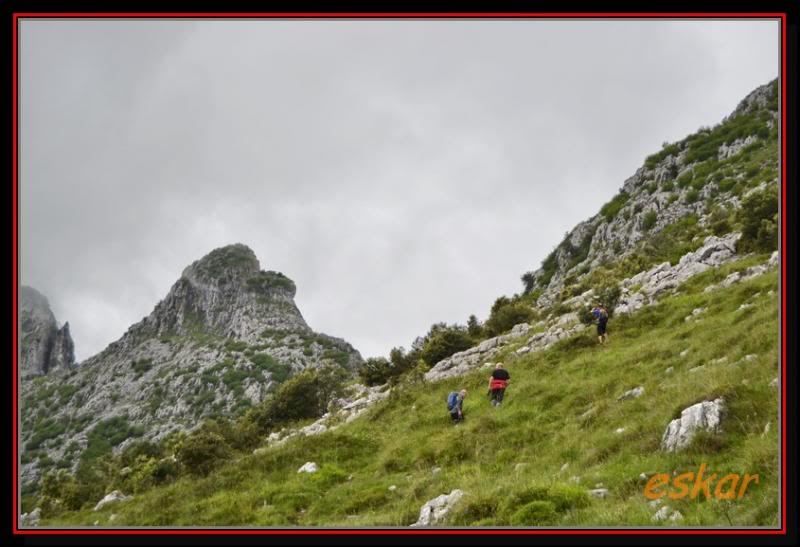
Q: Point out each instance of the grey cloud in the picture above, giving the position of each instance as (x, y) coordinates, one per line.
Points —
(401, 172)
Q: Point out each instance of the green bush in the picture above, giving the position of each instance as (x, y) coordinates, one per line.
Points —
(691, 196)
(535, 513)
(649, 220)
(685, 179)
(444, 342)
(375, 371)
(758, 216)
(610, 209)
(306, 395)
(506, 313)
(201, 452)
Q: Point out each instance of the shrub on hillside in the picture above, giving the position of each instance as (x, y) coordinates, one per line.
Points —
(535, 513)
(305, 395)
(649, 220)
(506, 313)
(375, 371)
(759, 219)
(474, 328)
(201, 452)
(610, 209)
(445, 342)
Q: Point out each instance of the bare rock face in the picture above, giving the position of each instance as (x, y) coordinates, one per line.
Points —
(43, 346)
(704, 416)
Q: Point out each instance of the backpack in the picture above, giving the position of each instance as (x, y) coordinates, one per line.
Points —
(452, 400)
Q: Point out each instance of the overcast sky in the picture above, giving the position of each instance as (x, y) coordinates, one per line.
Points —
(400, 172)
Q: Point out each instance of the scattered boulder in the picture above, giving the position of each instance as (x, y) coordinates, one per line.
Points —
(774, 383)
(523, 350)
(392, 488)
(632, 393)
(308, 467)
(436, 470)
(31, 519)
(598, 493)
(436, 510)
(620, 430)
(112, 497)
(666, 513)
(705, 416)
(520, 329)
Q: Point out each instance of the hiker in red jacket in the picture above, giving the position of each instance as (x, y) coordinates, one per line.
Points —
(498, 382)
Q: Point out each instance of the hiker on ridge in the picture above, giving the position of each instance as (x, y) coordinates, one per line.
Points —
(498, 382)
(601, 314)
(455, 402)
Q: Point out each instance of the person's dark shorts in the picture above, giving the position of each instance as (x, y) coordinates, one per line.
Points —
(497, 394)
(601, 327)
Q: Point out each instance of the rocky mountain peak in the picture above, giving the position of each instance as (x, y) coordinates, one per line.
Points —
(225, 265)
(43, 346)
(225, 293)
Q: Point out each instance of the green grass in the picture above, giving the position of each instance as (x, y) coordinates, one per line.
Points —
(542, 424)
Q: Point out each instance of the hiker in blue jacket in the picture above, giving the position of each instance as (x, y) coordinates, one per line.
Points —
(455, 403)
(601, 314)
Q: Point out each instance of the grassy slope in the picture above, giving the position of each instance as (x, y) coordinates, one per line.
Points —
(539, 425)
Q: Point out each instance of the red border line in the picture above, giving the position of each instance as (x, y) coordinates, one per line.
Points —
(390, 15)
(15, 184)
(442, 15)
(783, 271)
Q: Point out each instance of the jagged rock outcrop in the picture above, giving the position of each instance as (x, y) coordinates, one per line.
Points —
(43, 346)
(704, 416)
(655, 197)
(223, 338)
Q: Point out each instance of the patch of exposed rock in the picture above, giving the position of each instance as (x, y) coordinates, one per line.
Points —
(703, 416)
(43, 346)
(435, 511)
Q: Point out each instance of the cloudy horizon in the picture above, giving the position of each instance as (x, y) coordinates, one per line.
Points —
(402, 173)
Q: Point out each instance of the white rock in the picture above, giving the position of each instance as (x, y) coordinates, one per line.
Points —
(655, 503)
(697, 368)
(520, 329)
(748, 358)
(643, 476)
(436, 510)
(774, 383)
(563, 467)
(662, 514)
(676, 515)
(684, 353)
(523, 350)
(619, 430)
(436, 470)
(669, 370)
(706, 416)
(111, 497)
(598, 493)
(392, 488)
(308, 467)
(32, 518)
(575, 478)
(632, 393)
